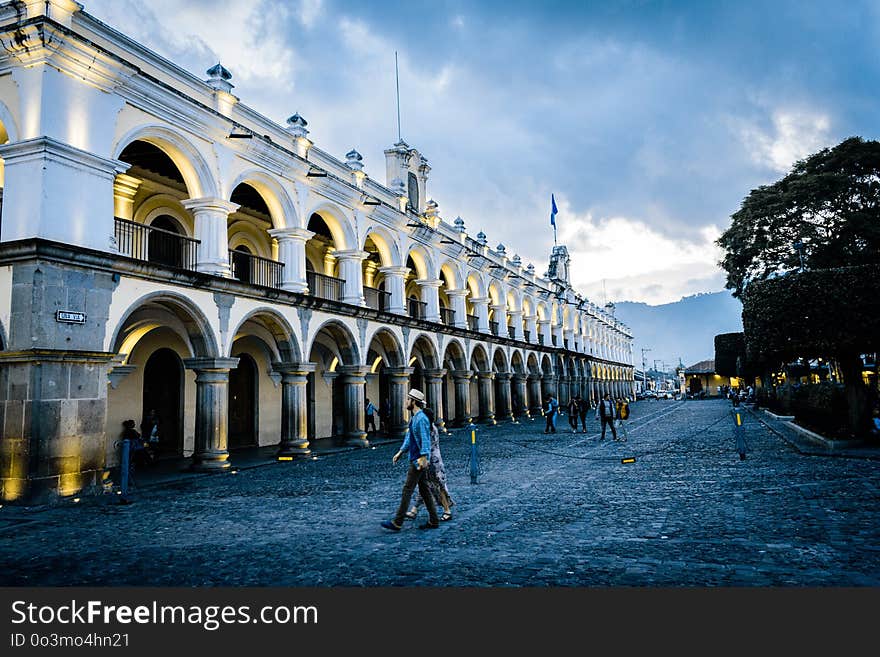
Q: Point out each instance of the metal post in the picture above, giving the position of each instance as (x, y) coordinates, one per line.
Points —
(124, 466)
(475, 455)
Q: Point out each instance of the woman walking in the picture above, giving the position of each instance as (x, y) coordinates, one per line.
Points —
(436, 476)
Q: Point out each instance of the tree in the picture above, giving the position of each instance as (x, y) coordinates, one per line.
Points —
(730, 354)
(829, 203)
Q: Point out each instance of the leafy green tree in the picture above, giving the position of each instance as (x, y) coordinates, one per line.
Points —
(829, 203)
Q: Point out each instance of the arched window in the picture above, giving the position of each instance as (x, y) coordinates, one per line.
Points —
(164, 248)
(241, 264)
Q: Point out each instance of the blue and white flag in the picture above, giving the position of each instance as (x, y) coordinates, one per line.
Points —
(553, 211)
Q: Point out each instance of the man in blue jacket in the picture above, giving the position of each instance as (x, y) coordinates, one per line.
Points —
(416, 445)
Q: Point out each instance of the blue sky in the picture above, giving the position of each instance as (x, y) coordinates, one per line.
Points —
(649, 121)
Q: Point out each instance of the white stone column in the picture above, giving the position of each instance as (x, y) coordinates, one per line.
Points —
(481, 310)
(544, 329)
(499, 314)
(292, 253)
(395, 282)
(431, 296)
(294, 404)
(456, 298)
(351, 270)
(532, 328)
(516, 317)
(212, 412)
(211, 219)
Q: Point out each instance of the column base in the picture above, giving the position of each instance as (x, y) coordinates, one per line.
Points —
(294, 449)
(302, 288)
(210, 463)
(486, 419)
(441, 426)
(357, 439)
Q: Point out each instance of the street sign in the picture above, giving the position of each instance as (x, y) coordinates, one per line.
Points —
(70, 317)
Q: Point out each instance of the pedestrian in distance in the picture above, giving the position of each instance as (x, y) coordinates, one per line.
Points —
(370, 415)
(583, 409)
(573, 410)
(385, 416)
(605, 413)
(622, 411)
(131, 443)
(436, 475)
(417, 446)
(550, 406)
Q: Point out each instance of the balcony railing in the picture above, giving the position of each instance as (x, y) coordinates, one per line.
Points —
(473, 322)
(162, 247)
(417, 309)
(377, 299)
(565, 343)
(553, 340)
(254, 269)
(325, 287)
(447, 316)
(493, 327)
(527, 336)
(511, 332)
(540, 338)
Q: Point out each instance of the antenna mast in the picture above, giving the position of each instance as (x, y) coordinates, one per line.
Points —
(397, 83)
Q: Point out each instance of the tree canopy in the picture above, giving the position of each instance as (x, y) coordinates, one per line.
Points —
(829, 203)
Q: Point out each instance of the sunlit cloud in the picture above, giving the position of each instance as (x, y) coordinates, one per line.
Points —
(794, 135)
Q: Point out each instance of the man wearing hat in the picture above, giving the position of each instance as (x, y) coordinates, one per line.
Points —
(417, 445)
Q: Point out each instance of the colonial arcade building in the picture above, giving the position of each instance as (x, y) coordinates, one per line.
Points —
(165, 248)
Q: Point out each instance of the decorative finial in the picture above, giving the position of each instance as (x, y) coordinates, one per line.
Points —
(219, 77)
(481, 238)
(296, 125)
(501, 249)
(354, 160)
(459, 224)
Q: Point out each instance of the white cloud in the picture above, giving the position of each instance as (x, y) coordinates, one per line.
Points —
(248, 38)
(794, 135)
(628, 260)
(309, 12)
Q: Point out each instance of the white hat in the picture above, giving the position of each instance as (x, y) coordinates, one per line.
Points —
(418, 395)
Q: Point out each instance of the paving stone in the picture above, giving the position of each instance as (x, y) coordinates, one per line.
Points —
(548, 511)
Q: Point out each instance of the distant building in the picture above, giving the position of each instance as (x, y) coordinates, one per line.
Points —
(701, 377)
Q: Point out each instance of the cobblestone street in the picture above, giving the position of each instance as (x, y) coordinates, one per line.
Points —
(560, 510)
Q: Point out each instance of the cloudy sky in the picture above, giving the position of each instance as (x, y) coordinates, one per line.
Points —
(649, 121)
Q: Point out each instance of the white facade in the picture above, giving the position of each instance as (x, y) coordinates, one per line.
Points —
(128, 197)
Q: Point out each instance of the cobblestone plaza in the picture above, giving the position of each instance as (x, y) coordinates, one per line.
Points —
(559, 510)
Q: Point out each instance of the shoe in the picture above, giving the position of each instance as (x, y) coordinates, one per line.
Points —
(446, 516)
(428, 525)
(411, 514)
(389, 524)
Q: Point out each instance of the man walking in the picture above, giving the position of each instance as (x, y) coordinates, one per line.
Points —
(417, 445)
(370, 415)
(606, 413)
(573, 409)
(550, 413)
(583, 409)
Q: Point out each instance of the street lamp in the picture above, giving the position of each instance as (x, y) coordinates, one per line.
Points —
(644, 371)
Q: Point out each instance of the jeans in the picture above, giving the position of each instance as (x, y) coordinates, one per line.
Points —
(609, 421)
(416, 477)
(584, 421)
(551, 425)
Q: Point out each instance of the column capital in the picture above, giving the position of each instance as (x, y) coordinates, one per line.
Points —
(352, 254)
(534, 377)
(519, 376)
(297, 234)
(457, 293)
(210, 204)
(399, 371)
(462, 374)
(394, 271)
(207, 364)
(434, 373)
(301, 369)
(125, 186)
(503, 376)
(477, 301)
(429, 282)
(483, 376)
(353, 370)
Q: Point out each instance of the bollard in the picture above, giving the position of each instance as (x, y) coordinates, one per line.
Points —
(475, 455)
(739, 430)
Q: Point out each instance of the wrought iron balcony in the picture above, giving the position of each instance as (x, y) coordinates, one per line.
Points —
(553, 340)
(376, 298)
(417, 309)
(254, 269)
(325, 287)
(527, 336)
(493, 327)
(473, 322)
(447, 316)
(162, 247)
(540, 338)
(511, 332)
